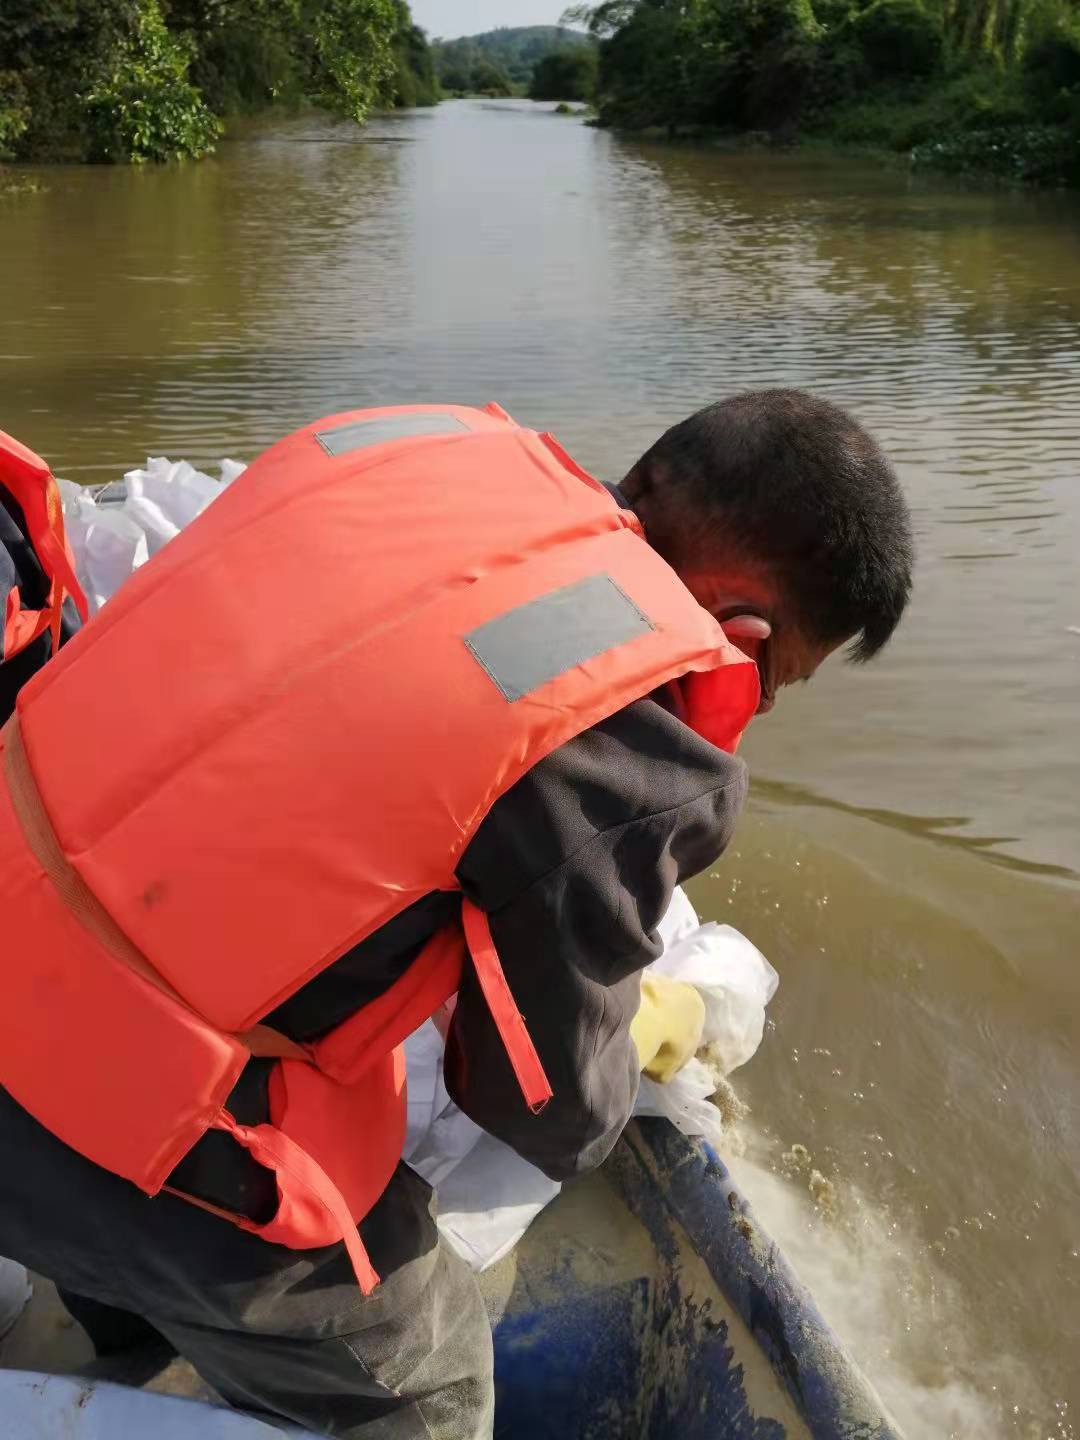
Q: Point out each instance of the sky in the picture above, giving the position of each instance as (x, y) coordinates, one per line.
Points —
(450, 18)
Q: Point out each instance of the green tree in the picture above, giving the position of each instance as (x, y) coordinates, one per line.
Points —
(488, 78)
(565, 75)
(350, 53)
(14, 110)
(143, 106)
(145, 79)
(900, 38)
(662, 62)
(965, 84)
(335, 53)
(514, 52)
(52, 52)
(455, 75)
(415, 81)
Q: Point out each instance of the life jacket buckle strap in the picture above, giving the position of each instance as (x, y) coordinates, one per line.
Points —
(508, 1019)
(304, 1187)
(265, 1043)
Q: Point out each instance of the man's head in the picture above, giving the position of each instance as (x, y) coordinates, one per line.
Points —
(779, 506)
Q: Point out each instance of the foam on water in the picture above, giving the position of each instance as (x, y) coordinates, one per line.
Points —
(883, 1295)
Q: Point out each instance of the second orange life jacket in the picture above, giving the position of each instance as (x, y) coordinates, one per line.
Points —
(29, 482)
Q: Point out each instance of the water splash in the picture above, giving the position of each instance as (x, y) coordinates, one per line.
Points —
(899, 1315)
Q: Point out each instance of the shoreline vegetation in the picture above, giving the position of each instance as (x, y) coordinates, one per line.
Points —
(977, 87)
(989, 88)
(153, 80)
(537, 62)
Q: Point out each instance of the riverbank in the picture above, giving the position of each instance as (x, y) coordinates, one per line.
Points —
(1026, 155)
(974, 125)
(969, 88)
(155, 80)
(12, 184)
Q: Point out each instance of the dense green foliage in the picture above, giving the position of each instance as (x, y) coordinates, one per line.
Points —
(141, 104)
(568, 74)
(981, 85)
(415, 80)
(503, 62)
(150, 79)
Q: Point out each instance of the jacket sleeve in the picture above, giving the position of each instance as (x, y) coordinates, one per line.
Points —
(575, 866)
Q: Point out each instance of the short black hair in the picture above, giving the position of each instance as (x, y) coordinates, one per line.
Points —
(788, 481)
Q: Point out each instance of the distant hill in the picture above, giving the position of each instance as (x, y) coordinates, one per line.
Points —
(501, 62)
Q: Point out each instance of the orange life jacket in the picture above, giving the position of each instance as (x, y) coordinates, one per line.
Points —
(303, 708)
(29, 481)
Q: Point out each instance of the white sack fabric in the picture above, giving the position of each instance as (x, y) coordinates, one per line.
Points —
(113, 529)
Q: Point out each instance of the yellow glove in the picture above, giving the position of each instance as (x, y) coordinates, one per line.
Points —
(667, 1028)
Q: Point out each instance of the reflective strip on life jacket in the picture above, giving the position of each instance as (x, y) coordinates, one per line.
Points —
(532, 644)
(360, 434)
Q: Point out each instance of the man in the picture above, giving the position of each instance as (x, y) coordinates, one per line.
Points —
(542, 752)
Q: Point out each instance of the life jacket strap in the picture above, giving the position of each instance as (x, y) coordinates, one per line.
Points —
(309, 1198)
(22, 627)
(508, 1019)
(311, 1208)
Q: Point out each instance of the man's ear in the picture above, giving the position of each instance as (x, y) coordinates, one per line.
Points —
(747, 627)
(631, 485)
(638, 482)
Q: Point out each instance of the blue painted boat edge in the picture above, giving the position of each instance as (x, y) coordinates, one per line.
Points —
(36, 1405)
(663, 1176)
